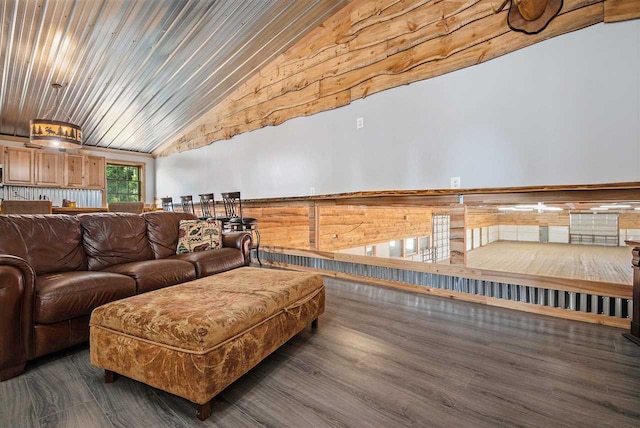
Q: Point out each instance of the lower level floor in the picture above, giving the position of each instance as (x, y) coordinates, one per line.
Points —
(591, 262)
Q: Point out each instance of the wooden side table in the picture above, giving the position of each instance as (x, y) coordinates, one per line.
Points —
(634, 334)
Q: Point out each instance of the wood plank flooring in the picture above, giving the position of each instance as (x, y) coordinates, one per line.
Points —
(596, 263)
(380, 358)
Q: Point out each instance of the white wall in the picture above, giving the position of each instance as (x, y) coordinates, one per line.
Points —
(382, 250)
(150, 171)
(494, 233)
(476, 238)
(507, 232)
(629, 234)
(512, 232)
(357, 251)
(564, 111)
(559, 234)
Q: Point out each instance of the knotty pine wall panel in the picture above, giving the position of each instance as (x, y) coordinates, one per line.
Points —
(348, 226)
(629, 220)
(560, 218)
(283, 226)
(368, 47)
(475, 220)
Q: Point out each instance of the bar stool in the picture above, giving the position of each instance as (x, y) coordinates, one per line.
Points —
(167, 203)
(207, 205)
(236, 221)
(187, 204)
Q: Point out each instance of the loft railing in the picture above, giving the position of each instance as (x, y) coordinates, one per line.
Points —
(601, 303)
(379, 237)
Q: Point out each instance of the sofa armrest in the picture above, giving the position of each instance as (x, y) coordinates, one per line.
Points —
(241, 241)
(17, 283)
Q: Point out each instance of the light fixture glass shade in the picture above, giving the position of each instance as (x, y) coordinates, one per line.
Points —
(52, 133)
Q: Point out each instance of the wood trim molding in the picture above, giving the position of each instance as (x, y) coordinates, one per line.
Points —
(626, 191)
(368, 47)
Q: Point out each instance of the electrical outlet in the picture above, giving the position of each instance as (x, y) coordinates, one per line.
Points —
(455, 182)
(312, 191)
(360, 122)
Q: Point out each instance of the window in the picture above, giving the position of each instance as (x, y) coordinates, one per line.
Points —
(424, 243)
(395, 248)
(441, 246)
(370, 250)
(410, 246)
(124, 183)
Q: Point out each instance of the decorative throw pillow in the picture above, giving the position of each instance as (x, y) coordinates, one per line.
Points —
(198, 235)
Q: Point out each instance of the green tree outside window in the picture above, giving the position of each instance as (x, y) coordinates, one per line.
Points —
(123, 183)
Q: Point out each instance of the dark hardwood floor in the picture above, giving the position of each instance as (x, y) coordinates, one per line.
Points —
(380, 358)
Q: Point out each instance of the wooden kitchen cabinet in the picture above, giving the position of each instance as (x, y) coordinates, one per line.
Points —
(96, 172)
(49, 168)
(74, 170)
(19, 166)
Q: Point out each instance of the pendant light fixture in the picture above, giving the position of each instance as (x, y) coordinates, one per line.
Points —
(53, 133)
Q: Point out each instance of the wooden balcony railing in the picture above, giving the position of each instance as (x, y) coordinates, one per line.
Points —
(308, 233)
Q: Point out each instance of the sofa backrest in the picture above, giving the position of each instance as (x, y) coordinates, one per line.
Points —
(49, 243)
(162, 231)
(114, 238)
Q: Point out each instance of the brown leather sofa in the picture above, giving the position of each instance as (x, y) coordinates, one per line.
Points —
(55, 269)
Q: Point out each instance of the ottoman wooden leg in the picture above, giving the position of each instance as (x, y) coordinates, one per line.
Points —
(203, 411)
(314, 323)
(109, 376)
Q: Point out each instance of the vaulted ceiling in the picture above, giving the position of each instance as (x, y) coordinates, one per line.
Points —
(137, 72)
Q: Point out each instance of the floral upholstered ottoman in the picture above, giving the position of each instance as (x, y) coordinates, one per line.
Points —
(195, 339)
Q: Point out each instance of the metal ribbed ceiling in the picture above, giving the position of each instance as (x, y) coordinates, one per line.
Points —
(138, 72)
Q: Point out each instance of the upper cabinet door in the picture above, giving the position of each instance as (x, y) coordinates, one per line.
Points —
(18, 166)
(74, 170)
(96, 172)
(49, 168)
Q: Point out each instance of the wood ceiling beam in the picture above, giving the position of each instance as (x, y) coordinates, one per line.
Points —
(370, 46)
(621, 10)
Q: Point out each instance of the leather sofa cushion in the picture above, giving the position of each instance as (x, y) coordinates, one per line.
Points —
(49, 243)
(153, 274)
(67, 295)
(114, 238)
(162, 231)
(213, 261)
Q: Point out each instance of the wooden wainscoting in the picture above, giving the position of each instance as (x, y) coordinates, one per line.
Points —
(281, 224)
(349, 226)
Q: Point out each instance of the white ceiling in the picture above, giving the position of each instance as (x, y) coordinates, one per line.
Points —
(137, 72)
